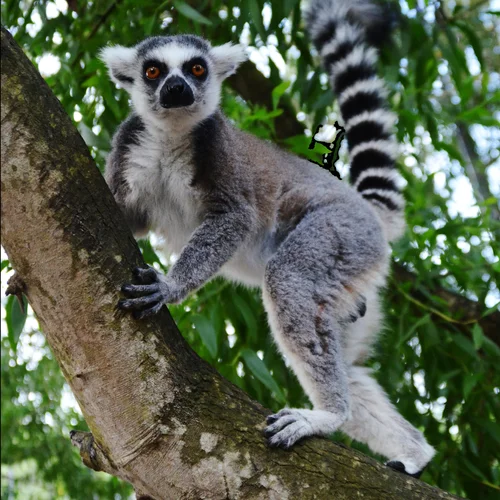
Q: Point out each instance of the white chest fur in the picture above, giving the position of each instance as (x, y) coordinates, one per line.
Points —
(159, 174)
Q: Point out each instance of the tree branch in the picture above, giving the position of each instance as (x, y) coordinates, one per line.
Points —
(475, 170)
(160, 417)
(255, 88)
(462, 311)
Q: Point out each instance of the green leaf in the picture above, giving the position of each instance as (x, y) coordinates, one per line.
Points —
(288, 6)
(260, 371)
(278, 91)
(470, 381)
(325, 99)
(491, 347)
(15, 320)
(248, 316)
(494, 307)
(432, 128)
(474, 41)
(491, 428)
(479, 114)
(452, 151)
(188, 11)
(256, 15)
(430, 336)
(422, 321)
(148, 252)
(465, 344)
(207, 333)
(91, 139)
(111, 101)
(473, 469)
(5, 263)
(447, 376)
(149, 26)
(477, 335)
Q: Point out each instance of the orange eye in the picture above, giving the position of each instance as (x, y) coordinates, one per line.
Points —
(198, 70)
(153, 73)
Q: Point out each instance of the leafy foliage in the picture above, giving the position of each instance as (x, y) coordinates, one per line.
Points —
(440, 369)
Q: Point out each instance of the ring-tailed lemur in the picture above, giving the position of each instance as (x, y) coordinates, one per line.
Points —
(233, 205)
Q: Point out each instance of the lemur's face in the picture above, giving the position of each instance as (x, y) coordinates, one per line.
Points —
(173, 76)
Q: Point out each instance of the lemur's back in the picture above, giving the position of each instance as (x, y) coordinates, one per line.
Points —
(229, 203)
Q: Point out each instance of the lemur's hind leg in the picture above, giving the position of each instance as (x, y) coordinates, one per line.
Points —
(309, 303)
(375, 422)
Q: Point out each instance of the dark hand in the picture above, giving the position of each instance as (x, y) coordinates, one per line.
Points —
(148, 297)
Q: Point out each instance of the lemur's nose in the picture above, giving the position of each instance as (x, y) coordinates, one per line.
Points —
(176, 93)
(175, 85)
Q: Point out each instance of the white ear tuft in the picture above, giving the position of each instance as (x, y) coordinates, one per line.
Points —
(227, 58)
(121, 63)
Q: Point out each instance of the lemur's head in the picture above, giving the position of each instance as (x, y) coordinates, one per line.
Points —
(173, 78)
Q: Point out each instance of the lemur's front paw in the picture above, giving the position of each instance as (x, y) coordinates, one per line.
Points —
(290, 425)
(147, 298)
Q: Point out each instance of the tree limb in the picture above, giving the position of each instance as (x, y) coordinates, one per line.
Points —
(474, 168)
(463, 311)
(254, 87)
(160, 417)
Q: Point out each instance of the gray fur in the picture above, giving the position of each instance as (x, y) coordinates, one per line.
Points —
(233, 205)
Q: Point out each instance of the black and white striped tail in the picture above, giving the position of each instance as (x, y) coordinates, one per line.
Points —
(338, 29)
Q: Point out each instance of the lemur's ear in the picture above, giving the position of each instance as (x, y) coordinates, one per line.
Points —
(121, 63)
(227, 58)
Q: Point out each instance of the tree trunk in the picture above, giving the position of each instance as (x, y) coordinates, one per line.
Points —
(161, 418)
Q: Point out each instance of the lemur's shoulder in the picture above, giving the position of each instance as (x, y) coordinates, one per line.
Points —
(128, 132)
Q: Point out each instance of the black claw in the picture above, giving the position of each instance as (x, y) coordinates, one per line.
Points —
(137, 271)
(72, 433)
(127, 304)
(268, 433)
(362, 309)
(146, 313)
(279, 444)
(121, 304)
(272, 445)
(400, 467)
(396, 465)
(141, 314)
(352, 318)
(271, 419)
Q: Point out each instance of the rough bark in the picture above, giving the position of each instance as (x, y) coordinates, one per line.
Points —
(160, 417)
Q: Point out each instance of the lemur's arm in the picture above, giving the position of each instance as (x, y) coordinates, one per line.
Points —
(211, 245)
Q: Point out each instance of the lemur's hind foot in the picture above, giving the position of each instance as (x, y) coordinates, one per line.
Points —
(400, 467)
(290, 425)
